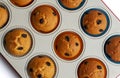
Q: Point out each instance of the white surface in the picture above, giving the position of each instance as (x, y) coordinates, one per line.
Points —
(7, 72)
(113, 5)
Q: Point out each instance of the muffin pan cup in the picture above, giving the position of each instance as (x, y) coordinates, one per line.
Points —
(43, 43)
(93, 57)
(49, 5)
(104, 12)
(5, 5)
(43, 54)
(81, 51)
(108, 58)
(72, 9)
(22, 7)
(30, 49)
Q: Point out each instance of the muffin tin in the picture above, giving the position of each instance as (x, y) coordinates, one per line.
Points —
(95, 22)
(43, 43)
(112, 42)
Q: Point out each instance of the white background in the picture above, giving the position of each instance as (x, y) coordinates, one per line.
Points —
(7, 72)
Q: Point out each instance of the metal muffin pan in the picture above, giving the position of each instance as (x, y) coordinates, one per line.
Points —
(43, 44)
(102, 11)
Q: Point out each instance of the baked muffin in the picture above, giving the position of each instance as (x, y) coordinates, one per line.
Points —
(95, 22)
(45, 18)
(112, 48)
(68, 45)
(18, 42)
(21, 3)
(41, 67)
(92, 68)
(71, 4)
(4, 15)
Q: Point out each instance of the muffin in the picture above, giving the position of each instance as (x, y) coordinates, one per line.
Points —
(4, 15)
(68, 45)
(18, 42)
(21, 3)
(41, 67)
(45, 18)
(112, 48)
(71, 4)
(95, 22)
(92, 68)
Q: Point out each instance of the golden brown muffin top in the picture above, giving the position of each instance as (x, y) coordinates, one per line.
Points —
(4, 15)
(71, 3)
(68, 45)
(112, 48)
(92, 68)
(45, 18)
(18, 42)
(41, 67)
(94, 22)
(21, 3)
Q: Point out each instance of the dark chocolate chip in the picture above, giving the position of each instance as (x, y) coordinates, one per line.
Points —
(24, 35)
(54, 14)
(98, 22)
(119, 41)
(20, 48)
(67, 54)
(108, 42)
(99, 67)
(41, 21)
(99, 13)
(67, 38)
(48, 64)
(76, 44)
(39, 76)
(31, 70)
(86, 27)
(101, 30)
(85, 62)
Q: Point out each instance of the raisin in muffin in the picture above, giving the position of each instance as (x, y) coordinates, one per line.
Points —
(92, 68)
(18, 42)
(21, 3)
(112, 48)
(4, 15)
(41, 67)
(95, 22)
(68, 45)
(45, 18)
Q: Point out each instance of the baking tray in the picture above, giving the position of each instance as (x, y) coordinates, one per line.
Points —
(43, 43)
